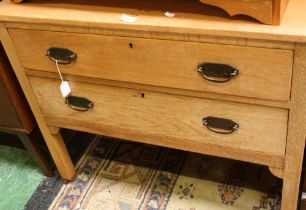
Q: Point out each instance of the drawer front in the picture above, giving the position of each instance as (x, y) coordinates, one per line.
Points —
(164, 115)
(263, 73)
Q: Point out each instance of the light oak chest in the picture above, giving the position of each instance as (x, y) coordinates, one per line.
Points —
(196, 82)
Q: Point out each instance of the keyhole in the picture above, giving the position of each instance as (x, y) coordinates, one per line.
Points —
(142, 95)
(130, 45)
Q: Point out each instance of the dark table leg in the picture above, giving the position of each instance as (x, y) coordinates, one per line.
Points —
(36, 153)
(303, 205)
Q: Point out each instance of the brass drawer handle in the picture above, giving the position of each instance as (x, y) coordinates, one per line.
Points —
(61, 55)
(79, 103)
(215, 72)
(220, 125)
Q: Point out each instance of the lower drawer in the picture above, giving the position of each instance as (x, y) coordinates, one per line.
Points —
(142, 114)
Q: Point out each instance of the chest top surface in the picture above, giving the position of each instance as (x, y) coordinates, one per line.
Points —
(192, 17)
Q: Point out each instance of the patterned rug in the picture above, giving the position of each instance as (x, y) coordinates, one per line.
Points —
(115, 174)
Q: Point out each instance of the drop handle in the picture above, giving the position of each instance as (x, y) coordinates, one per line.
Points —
(216, 72)
(61, 55)
(79, 103)
(220, 125)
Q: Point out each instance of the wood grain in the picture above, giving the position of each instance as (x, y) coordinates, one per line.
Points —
(175, 91)
(157, 62)
(296, 132)
(165, 141)
(240, 41)
(192, 18)
(166, 115)
(268, 147)
(55, 144)
(258, 9)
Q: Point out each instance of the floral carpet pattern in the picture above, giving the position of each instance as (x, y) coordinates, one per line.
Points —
(120, 175)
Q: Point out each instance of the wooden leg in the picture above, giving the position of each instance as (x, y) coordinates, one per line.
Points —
(60, 154)
(292, 175)
(296, 132)
(35, 152)
(303, 205)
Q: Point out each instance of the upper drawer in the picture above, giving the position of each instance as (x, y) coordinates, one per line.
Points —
(263, 73)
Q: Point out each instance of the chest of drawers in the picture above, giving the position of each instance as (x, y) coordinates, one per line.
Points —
(194, 82)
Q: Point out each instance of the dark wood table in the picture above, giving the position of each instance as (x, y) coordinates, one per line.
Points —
(15, 114)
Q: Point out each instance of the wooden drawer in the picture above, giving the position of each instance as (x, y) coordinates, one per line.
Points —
(263, 73)
(143, 113)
